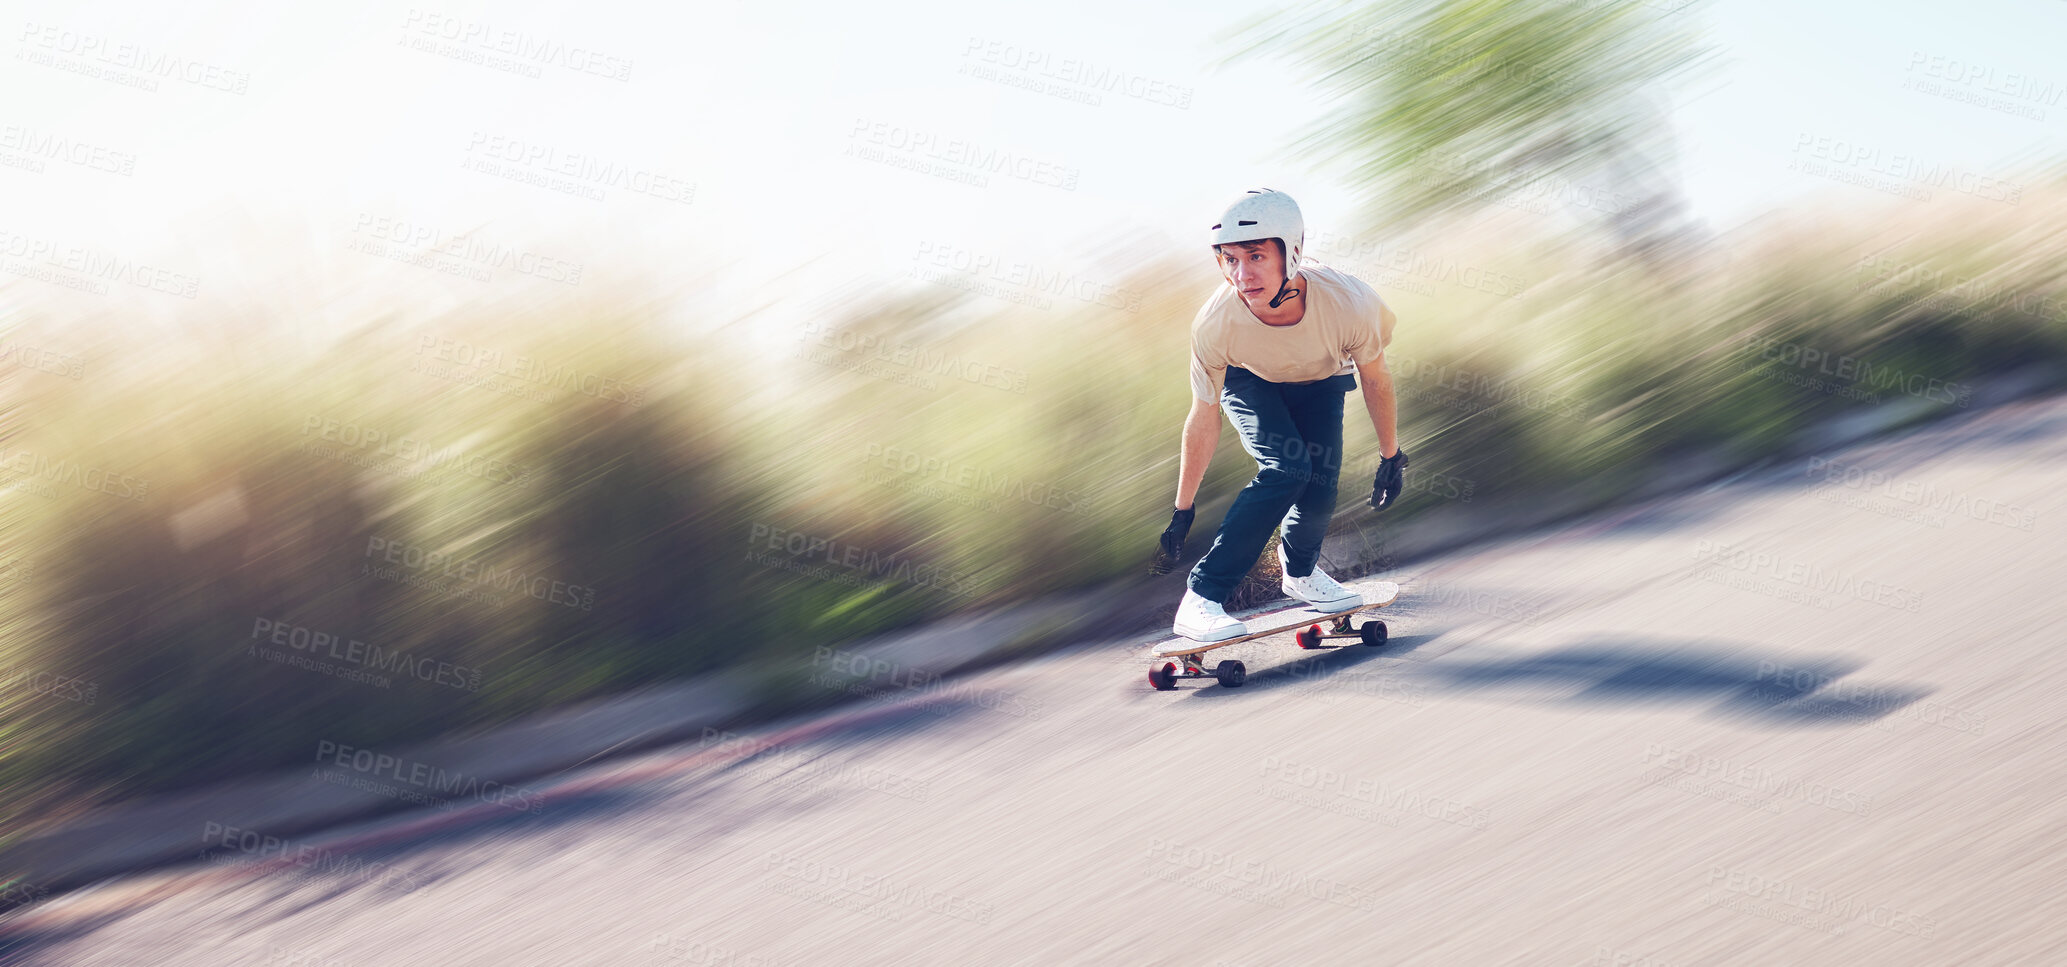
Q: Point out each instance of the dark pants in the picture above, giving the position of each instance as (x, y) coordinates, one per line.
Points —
(1294, 430)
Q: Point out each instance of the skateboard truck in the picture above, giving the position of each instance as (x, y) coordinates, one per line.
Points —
(1230, 674)
(1372, 633)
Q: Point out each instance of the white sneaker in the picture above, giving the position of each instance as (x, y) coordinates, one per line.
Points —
(1203, 620)
(1318, 589)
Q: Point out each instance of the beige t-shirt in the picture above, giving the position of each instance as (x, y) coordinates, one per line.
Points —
(1346, 325)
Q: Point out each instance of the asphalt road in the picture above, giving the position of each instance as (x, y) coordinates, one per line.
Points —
(1800, 717)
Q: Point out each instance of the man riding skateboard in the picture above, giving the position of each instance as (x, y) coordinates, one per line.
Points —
(1276, 348)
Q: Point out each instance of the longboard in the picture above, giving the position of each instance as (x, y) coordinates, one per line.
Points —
(1164, 672)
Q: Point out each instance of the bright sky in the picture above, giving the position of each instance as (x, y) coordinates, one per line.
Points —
(1855, 72)
(788, 132)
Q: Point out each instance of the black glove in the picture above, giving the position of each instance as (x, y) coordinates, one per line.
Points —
(1170, 546)
(1385, 488)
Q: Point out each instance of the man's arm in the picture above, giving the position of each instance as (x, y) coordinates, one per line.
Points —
(1201, 436)
(1376, 379)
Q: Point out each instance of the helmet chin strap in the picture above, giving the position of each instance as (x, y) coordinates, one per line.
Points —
(1284, 292)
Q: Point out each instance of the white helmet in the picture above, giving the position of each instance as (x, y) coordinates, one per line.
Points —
(1260, 214)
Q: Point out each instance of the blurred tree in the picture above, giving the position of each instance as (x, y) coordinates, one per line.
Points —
(1446, 105)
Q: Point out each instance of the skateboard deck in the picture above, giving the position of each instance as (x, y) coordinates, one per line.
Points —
(1164, 672)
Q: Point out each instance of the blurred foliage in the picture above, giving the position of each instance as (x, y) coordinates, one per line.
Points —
(1006, 450)
(1442, 105)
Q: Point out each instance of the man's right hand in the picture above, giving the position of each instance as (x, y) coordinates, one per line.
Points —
(1170, 547)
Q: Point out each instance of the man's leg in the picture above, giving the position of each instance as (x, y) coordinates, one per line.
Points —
(1316, 409)
(1257, 409)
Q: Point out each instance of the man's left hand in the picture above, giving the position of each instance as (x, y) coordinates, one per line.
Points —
(1391, 478)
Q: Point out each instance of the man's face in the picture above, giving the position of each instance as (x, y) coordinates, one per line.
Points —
(1255, 269)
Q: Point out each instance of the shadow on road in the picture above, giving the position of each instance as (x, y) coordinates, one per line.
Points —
(1734, 681)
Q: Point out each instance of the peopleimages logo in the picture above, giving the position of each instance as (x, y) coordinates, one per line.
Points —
(258, 848)
(1917, 494)
(915, 361)
(356, 652)
(587, 174)
(882, 891)
(1831, 157)
(91, 265)
(98, 479)
(1982, 77)
(957, 153)
(860, 673)
(68, 687)
(466, 253)
(1793, 902)
(134, 57)
(474, 572)
(527, 50)
(1758, 784)
(18, 892)
(537, 371)
(1854, 370)
(1027, 276)
(38, 144)
(961, 473)
(857, 563)
(411, 457)
(1069, 72)
(43, 360)
(1798, 580)
(423, 775)
(1268, 878)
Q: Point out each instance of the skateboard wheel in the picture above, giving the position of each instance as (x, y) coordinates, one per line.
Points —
(1163, 679)
(1310, 638)
(1231, 674)
(1374, 633)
